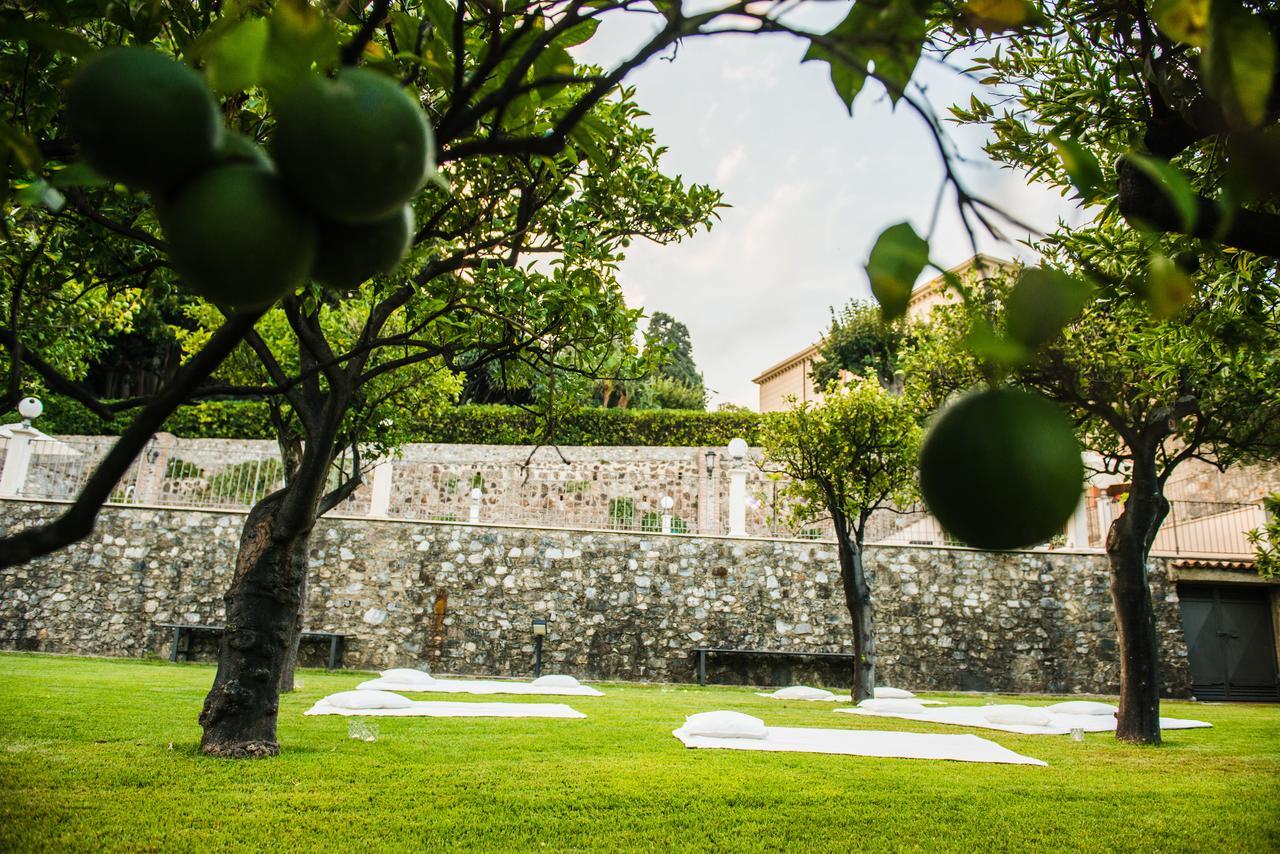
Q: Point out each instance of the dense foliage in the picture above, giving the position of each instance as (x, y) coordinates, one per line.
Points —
(470, 424)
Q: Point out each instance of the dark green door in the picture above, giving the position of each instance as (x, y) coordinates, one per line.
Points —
(1230, 642)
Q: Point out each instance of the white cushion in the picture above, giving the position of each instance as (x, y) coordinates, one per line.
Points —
(1017, 716)
(887, 693)
(897, 707)
(803, 692)
(368, 700)
(1082, 707)
(724, 725)
(556, 681)
(407, 676)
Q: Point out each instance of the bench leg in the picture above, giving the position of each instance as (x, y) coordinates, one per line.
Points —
(177, 639)
(702, 667)
(333, 652)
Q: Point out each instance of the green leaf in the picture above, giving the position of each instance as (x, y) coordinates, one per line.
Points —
(896, 261)
(22, 146)
(884, 35)
(998, 16)
(45, 35)
(78, 174)
(1239, 63)
(1186, 21)
(1173, 184)
(235, 60)
(579, 33)
(992, 348)
(1168, 287)
(1082, 167)
(302, 38)
(1042, 303)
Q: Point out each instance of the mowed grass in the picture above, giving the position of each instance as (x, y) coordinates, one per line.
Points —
(101, 754)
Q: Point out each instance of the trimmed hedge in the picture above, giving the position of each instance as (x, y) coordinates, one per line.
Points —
(462, 425)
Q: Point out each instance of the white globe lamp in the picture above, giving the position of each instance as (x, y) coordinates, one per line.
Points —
(738, 448)
(29, 408)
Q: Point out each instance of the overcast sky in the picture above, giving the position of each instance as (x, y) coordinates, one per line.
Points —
(810, 190)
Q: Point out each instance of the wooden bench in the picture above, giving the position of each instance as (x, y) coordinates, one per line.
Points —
(337, 642)
(704, 651)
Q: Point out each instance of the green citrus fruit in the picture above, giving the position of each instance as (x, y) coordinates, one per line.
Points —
(355, 148)
(1001, 469)
(238, 238)
(349, 254)
(238, 148)
(142, 118)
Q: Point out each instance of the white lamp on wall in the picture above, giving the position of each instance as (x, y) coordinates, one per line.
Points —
(738, 449)
(667, 503)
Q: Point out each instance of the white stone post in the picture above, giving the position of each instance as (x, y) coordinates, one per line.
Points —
(475, 505)
(380, 492)
(17, 458)
(738, 489)
(667, 503)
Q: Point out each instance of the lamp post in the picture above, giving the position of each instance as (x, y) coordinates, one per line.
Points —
(475, 504)
(667, 503)
(738, 488)
(539, 632)
(17, 456)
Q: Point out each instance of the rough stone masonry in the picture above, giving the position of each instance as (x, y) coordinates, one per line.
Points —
(460, 599)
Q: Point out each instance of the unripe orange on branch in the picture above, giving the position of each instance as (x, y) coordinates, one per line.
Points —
(238, 238)
(142, 118)
(356, 148)
(1001, 469)
(349, 254)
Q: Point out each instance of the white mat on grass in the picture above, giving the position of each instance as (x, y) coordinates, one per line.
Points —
(479, 686)
(861, 742)
(441, 709)
(1058, 724)
(842, 698)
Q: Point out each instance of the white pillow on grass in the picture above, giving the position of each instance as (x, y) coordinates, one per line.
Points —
(724, 725)
(896, 707)
(1082, 707)
(887, 693)
(1016, 716)
(368, 700)
(407, 676)
(556, 681)
(803, 692)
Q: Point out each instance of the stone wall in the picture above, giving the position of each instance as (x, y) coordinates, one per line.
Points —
(459, 599)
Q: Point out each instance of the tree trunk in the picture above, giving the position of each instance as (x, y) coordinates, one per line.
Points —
(262, 604)
(301, 553)
(857, 596)
(1128, 544)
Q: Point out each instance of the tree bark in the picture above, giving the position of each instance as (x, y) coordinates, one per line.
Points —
(262, 604)
(300, 556)
(857, 596)
(1128, 544)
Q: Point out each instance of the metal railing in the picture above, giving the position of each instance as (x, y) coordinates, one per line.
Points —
(236, 475)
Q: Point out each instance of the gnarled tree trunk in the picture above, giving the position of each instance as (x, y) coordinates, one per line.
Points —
(1128, 544)
(857, 596)
(262, 605)
(290, 663)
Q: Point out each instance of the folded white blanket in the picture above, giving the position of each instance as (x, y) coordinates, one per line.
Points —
(975, 716)
(853, 742)
(441, 709)
(479, 686)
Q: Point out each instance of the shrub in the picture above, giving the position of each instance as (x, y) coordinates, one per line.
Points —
(463, 425)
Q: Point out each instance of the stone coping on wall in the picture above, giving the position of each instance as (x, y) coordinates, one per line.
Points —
(239, 511)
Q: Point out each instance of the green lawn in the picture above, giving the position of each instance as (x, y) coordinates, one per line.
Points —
(101, 753)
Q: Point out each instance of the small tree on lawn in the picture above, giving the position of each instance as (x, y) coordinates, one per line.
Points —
(851, 455)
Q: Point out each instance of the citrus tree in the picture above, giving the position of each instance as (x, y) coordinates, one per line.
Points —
(845, 458)
(1144, 395)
